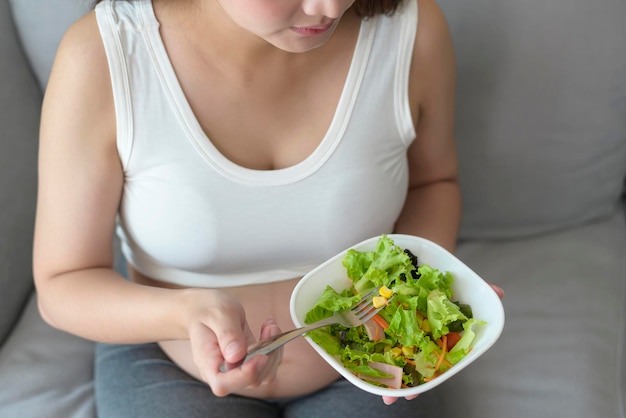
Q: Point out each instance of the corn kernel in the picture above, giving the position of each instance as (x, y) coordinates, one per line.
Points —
(379, 301)
(396, 352)
(425, 325)
(385, 292)
(408, 351)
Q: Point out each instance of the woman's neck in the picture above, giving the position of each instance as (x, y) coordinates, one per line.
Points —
(206, 28)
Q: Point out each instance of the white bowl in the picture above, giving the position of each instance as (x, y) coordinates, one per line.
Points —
(468, 287)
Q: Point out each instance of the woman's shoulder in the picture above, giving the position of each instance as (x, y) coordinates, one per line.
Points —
(433, 52)
(82, 40)
(79, 82)
(81, 65)
(433, 72)
(432, 30)
(80, 58)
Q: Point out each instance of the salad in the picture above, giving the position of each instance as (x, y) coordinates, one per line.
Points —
(421, 332)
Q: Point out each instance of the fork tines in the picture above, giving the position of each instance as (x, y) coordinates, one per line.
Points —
(365, 305)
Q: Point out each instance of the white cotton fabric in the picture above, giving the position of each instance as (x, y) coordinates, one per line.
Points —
(190, 216)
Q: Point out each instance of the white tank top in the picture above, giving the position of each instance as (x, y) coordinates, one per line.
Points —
(190, 216)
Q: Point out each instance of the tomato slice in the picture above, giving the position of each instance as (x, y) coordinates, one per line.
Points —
(453, 338)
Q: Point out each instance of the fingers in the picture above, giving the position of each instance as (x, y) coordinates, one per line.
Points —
(499, 291)
(269, 328)
(208, 356)
(268, 374)
(232, 333)
(218, 331)
(213, 351)
(266, 366)
(388, 400)
(212, 346)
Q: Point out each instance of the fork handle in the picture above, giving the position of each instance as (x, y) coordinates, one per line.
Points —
(270, 344)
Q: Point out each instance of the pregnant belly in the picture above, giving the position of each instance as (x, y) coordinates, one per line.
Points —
(302, 370)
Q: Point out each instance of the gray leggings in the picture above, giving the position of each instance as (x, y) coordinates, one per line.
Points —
(141, 381)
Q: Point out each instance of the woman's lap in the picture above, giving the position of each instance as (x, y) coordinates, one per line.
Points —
(141, 381)
(343, 399)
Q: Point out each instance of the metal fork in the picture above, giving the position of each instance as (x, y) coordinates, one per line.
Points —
(360, 313)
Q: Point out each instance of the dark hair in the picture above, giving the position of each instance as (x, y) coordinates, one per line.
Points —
(370, 8)
(367, 8)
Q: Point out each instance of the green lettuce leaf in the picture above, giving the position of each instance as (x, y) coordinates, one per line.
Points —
(405, 328)
(441, 312)
(462, 347)
(326, 340)
(330, 302)
(378, 268)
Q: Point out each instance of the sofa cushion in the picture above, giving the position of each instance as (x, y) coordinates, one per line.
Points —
(41, 25)
(562, 351)
(541, 112)
(45, 372)
(20, 100)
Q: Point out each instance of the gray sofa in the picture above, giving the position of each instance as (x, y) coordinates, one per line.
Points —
(541, 127)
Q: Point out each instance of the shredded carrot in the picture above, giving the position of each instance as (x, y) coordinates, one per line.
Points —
(380, 321)
(444, 346)
(439, 343)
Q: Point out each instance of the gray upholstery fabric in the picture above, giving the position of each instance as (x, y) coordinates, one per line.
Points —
(19, 123)
(50, 18)
(562, 352)
(45, 372)
(541, 112)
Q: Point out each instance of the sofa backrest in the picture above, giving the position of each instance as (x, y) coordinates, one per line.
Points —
(541, 112)
(541, 105)
(30, 31)
(20, 101)
(41, 25)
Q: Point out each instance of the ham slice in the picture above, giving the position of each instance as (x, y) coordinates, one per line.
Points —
(375, 332)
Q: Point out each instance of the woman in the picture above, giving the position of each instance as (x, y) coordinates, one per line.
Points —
(235, 144)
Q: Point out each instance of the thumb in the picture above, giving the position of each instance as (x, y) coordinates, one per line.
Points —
(234, 342)
(234, 350)
(232, 332)
(231, 348)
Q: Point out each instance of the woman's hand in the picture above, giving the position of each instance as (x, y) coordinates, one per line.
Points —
(218, 331)
(388, 400)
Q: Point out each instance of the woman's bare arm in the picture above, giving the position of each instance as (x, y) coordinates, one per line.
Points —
(80, 184)
(433, 206)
